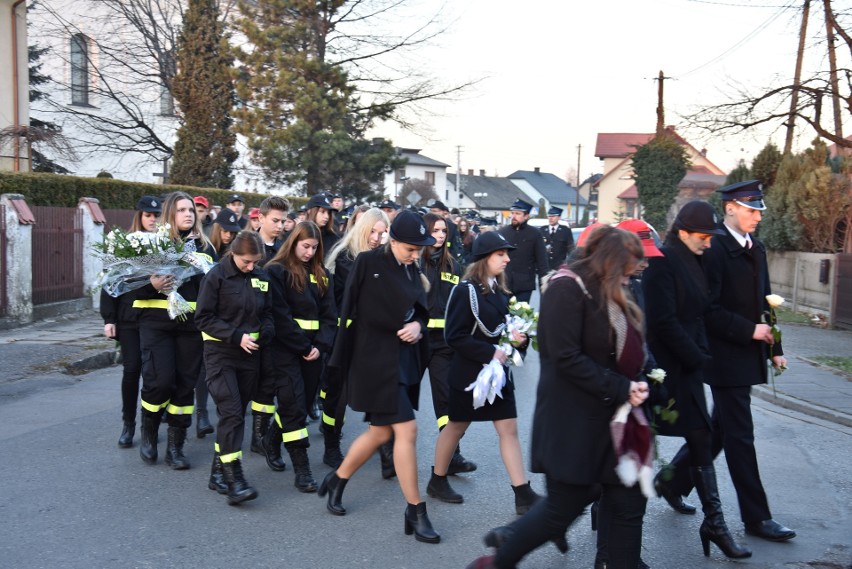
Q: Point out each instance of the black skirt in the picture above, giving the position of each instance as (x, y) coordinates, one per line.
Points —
(462, 411)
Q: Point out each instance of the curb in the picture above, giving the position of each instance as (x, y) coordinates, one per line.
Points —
(100, 360)
(788, 402)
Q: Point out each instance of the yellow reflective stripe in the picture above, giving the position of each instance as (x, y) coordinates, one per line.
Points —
(322, 394)
(216, 447)
(277, 420)
(307, 324)
(324, 280)
(327, 420)
(153, 407)
(443, 420)
(450, 278)
(348, 322)
(156, 304)
(231, 457)
(261, 408)
(205, 336)
(175, 410)
(449, 244)
(259, 284)
(435, 323)
(295, 435)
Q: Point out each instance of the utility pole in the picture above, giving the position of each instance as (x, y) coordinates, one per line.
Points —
(797, 79)
(661, 123)
(577, 190)
(458, 176)
(832, 62)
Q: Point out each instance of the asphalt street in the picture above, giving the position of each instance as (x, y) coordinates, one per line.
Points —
(71, 498)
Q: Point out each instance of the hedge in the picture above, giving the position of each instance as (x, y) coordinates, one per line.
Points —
(65, 191)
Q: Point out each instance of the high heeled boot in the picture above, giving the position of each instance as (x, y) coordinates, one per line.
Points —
(217, 477)
(671, 497)
(272, 447)
(333, 485)
(386, 456)
(525, 498)
(174, 451)
(202, 424)
(332, 456)
(259, 426)
(440, 489)
(304, 478)
(714, 528)
(148, 444)
(417, 522)
(125, 440)
(238, 489)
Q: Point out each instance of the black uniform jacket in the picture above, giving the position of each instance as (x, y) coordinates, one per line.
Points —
(269, 251)
(306, 305)
(342, 267)
(232, 303)
(739, 282)
(378, 297)
(119, 311)
(471, 347)
(676, 297)
(528, 260)
(557, 244)
(441, 284)
(578, 389)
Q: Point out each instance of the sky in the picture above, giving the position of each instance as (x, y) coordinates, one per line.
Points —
(553, 74)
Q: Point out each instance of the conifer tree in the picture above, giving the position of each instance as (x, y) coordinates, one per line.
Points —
(658, 168)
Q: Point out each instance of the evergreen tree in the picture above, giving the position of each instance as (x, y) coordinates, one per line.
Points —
(204, 151)
(658, 168)
(41, 132)
(739, 174)
(765, 165)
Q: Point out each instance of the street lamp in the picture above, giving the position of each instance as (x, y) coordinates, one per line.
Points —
(402, 179)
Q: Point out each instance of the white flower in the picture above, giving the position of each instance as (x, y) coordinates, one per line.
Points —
(657, 375)
(774, 300)
(513, 300)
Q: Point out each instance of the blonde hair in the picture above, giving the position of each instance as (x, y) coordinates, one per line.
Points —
(356, 240)
(477, 272)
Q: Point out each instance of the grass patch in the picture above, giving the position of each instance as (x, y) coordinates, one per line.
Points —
(842, 363)
(787, 316)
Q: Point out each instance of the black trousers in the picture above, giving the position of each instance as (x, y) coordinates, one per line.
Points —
(552, 516)
(439, 378)
(170, 365)
(131, 358)
(290, 372)
(231, 377)
(733, 430)
(263, 397)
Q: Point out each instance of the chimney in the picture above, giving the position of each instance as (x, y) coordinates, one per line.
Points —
(537, 170)
(470, 172)
(704, 152)
(482, 172)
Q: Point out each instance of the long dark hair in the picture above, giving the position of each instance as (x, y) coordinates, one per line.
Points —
(246, 242)
(286, 257)
(445, 261)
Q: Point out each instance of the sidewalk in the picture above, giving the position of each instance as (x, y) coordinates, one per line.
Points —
(76, 344)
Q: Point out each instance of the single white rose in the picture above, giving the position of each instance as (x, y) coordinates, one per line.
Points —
(658, 375)
(774, 300)
(513, 300)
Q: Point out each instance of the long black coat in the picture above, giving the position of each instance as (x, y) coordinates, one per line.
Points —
(739, 283)
(557, 244)
(578, 389)
(528, 260)
(676, 297)
(377, 298)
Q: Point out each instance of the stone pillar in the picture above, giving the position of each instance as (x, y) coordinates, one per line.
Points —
(19, 252)
(93, 232)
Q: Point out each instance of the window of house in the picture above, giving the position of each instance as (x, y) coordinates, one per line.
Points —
(79, 70)
(167, 100)
(430, 178)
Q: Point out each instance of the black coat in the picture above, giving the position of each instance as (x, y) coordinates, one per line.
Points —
(557, 244)
(527, 260)
(578, 389)
(739, 283)
(377, 299)
(676, 297)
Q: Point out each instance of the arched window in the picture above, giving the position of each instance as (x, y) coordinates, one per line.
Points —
(79, 70)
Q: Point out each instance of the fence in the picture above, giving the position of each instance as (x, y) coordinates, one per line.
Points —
(57, 259)
(842, 313)
(4, 301)
(121, 218)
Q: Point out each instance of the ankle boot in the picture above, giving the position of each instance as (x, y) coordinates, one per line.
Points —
(525, 498)
(459, 464)
(259, 426)
(714, 528)
(386, 455)
(272, 447)
(148, 444)
(238, 488)
(125, 439)
(174, 449)
(217, 478)
(440, 489)
(417, 522)
(333, 485)
(302, 467)
(673, 499)
(332, 455)
(202, 425)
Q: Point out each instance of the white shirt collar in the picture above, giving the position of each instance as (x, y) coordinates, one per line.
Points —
(741, 239)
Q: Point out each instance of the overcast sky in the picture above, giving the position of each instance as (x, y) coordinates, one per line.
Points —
(555, 73)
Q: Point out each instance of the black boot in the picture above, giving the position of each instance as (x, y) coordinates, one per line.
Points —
(332, 455)
(238, 488)
(217, 478)
(302, 467)
(386, 455)
(174, 449)
(440, 489)
(125, 439)
(333, 485)
(525, 498)
(674, 499)
(500, 535)
(272, 447)
(202, 425)
(714, 528)
(460, 464)
(417, 522)
(148, 445)
(259, 426)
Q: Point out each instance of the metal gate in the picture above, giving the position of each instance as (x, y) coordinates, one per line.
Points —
(841, 313)
(57, 261)
(121, 218)
(3, 270)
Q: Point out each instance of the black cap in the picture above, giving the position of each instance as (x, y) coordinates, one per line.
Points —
(487, 243)
(555, 211)
(292, 215)
(748, 194)
(228, 220)
(409, 227)
(472, 214)
(698, 217)
(319, 200)
(149, 204)
(334, 196)
(235, 198)
(387, 204)
(521, 205)
(438, 204)
(486, 221)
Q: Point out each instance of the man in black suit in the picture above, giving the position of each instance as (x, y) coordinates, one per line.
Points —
(740, 344)
(558, 239)
(529, 258)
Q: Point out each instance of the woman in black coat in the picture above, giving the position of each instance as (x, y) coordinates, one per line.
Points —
(379, 353)
(676, 297)
(592, 353)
